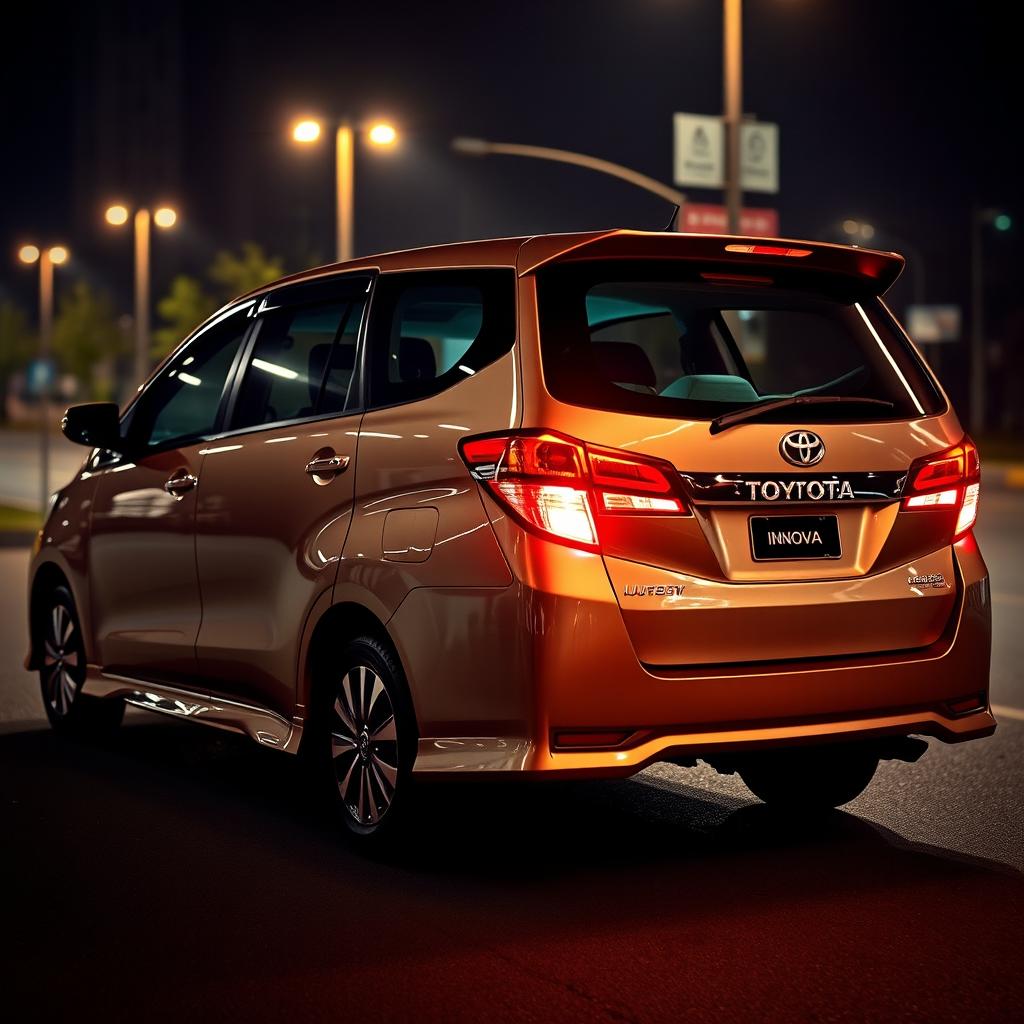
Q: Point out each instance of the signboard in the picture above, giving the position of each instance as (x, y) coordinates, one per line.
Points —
(699, 153)
(759, 157)
(930, 324)
(711, 219)
(40, 375)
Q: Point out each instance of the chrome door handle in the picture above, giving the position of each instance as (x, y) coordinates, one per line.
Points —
(327, 465)
(180, 483)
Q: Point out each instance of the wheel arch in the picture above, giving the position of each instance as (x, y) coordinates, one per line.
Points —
(336, 625)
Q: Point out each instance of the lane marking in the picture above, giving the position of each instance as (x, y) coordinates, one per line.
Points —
(1002, 709)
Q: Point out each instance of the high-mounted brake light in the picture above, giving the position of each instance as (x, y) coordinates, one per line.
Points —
(562, 488)
(947, 480)
(768, 250)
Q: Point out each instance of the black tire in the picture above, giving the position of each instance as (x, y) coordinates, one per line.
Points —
(809, 779)
(362, 738)
(62, 672)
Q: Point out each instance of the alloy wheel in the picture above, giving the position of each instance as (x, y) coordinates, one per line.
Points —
(364, 746)
(61, 661)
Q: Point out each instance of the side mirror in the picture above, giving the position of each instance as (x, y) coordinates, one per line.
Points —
(96, 425)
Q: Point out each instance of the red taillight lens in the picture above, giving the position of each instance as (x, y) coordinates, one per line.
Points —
(562, 487)
(950, 479)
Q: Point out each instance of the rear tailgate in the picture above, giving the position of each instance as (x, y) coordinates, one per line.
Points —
(698, 589)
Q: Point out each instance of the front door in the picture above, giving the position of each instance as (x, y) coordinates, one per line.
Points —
(276, 497)
(142, 566)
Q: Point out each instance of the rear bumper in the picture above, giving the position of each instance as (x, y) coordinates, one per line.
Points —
(569, 666)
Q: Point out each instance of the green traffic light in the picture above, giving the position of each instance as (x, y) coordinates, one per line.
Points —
(1003, 222)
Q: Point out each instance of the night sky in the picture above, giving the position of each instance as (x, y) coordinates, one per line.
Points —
(903, 114)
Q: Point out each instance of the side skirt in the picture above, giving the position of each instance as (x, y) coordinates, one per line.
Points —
(260, 724)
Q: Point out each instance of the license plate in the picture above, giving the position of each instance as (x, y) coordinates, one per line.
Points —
(787, 538)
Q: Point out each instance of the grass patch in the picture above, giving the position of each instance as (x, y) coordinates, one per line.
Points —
(18, 519)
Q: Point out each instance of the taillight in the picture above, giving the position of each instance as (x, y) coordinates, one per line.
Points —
(562, 488)
(950, 479)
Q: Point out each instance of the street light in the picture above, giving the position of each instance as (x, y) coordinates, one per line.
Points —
(164, 217)
(380, 134)
(47, 259)
(481, 147)
(732, 95)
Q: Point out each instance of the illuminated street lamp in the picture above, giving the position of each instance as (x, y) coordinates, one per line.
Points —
(47, 259)
(164, 217)
(380, 134)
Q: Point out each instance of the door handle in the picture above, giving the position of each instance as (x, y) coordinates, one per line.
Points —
(327, 465)
(181, 483)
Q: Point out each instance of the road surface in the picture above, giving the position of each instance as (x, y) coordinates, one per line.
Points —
(177, 873)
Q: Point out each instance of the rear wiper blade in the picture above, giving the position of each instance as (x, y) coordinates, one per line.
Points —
(753, 412)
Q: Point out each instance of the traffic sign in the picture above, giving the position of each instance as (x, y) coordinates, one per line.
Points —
(699, 153)
(711, 219)
(930, 324)
(759, 156)
(40, 376)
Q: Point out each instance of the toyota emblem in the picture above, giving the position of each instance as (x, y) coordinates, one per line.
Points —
(802, 448)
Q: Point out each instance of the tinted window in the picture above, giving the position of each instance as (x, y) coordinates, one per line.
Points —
(647, 340)
(184, 400)
(432, 330)
(302, 364)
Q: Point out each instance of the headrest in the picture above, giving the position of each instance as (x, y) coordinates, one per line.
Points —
(416, 359)
(712, 387)
(624, 363)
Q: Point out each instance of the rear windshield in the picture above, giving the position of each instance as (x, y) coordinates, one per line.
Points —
(650, 339)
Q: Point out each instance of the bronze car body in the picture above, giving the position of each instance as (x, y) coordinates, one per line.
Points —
(213, 567)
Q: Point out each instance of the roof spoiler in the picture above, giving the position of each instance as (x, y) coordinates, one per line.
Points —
(864, 270)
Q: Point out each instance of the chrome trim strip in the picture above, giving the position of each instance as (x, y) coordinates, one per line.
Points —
(260, 724)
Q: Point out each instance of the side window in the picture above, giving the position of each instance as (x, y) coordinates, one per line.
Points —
(302, 364)
(431, 330)
(184, 401)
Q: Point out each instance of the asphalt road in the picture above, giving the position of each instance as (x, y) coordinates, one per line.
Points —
(180, 873)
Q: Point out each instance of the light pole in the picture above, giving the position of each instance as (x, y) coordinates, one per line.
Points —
(732, 94)
(980, 219)
(164, 217)
(47, 260)
(381, 134)
(481, 147)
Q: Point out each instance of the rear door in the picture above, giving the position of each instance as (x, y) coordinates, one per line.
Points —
(143, 581)
(276, 497)
(794, 545)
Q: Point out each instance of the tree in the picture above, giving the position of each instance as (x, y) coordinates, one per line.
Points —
(236, 274)
(188, 304)
(182, 309)
(17, 344)
(86, 334)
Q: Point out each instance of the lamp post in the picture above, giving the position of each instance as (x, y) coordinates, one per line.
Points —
(380, 134)
(164, 217)
(732, 95)
(980, 219)
(47, 260)
(481, 147)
